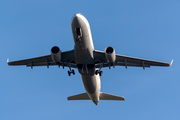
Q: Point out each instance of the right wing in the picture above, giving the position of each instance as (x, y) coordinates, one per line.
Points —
(122, 60)
(67, 59)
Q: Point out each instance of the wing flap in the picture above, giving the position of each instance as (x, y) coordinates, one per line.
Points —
(98, 65)
(65, 64)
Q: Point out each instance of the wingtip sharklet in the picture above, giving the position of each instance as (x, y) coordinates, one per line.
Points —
(171, 62)
(8, 60)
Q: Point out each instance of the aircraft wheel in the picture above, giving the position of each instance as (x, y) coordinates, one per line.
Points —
(73, 72)
(69, 73)
(96, 72)
(100, 73)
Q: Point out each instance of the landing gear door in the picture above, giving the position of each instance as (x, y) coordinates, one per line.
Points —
(79, 34)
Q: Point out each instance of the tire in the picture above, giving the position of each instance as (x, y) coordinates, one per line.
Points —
(69, 73)
(73, 72)
(96, 72)
(100, 73)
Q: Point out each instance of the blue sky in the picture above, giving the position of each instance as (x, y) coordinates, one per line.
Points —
(138, 28)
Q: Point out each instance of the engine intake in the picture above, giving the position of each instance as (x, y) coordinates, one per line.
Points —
(110, 54)
(56, 54)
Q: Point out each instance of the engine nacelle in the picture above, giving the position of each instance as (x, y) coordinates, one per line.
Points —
(110, 54)
(56, 54)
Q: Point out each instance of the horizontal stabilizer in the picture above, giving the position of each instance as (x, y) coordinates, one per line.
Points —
(83, 96)
(105, 96)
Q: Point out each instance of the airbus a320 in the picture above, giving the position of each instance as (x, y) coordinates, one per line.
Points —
(88, 61)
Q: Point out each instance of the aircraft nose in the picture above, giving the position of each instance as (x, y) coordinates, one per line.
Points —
(76, 17)
(75, 20)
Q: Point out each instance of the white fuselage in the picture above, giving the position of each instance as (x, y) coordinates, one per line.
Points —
(84, 56)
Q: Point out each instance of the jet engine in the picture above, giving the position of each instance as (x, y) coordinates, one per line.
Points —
(110, 54)
(56, 54)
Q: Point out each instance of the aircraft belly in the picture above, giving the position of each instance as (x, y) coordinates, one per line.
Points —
(92, 86)
(84, 56)
(89, 83)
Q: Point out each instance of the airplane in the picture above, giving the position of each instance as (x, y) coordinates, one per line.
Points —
(88, 61)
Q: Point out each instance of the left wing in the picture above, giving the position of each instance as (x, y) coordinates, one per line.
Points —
(121, 60)
(67, 59)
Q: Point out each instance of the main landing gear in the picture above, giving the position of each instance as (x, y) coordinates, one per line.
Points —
(99, 71)
(71, 72)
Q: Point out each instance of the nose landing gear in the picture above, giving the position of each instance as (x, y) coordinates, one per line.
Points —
(70, 71)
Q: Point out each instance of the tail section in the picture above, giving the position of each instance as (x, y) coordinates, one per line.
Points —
(105, 96)
(83, 96)
(102, 96)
